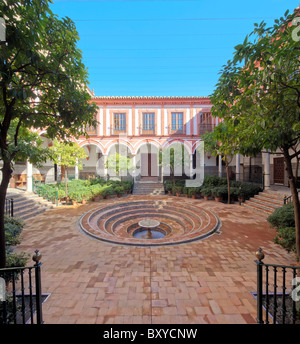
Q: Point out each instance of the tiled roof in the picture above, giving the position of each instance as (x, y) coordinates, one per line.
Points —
(147, 97)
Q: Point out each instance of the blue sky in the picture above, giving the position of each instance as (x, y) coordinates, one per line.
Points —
(162, 48)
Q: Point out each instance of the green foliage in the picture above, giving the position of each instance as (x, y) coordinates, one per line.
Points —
(118, 164)
(193, 191)
(206, 191)
(220, 191)
(67, 153)
(286, 237)
(13, 228)
(177, 189)
(283, 220)
(43, 85)
(283, 217)
(80, 189)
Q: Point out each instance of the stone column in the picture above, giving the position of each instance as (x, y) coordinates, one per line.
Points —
(105, 168)
(191, 166)
(237, 167)
(134, 167)
(76, 171)
(267, 169)
(29, 186)
(220, 166)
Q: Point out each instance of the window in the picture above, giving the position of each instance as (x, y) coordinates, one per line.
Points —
(177, 121)
(148, 121)
(119, 122)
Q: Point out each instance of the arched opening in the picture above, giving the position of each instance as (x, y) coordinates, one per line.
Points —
(147, 162)
(119, 162)
(93, 164)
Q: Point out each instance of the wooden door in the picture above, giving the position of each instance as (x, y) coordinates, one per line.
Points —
(278, 170)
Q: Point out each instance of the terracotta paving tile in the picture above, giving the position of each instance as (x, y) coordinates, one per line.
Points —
(203, 282)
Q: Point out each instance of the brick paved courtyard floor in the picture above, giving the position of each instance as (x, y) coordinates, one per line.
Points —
(203, 282)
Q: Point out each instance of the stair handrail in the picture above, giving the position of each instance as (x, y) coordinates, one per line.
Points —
(288, 199)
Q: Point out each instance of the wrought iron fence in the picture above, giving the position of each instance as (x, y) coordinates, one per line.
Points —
(21, 294)
(278, 287)
(9, 207)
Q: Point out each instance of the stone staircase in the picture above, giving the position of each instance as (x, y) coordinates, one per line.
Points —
(148, 188)
(266, 201)
(28, 204)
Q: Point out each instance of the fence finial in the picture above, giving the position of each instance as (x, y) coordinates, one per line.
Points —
(259, 254)
(37, 256)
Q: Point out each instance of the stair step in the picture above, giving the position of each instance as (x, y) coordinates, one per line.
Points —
(269, 212)
(259, 205)
(27, 205)
(266, 203)
(264, 198)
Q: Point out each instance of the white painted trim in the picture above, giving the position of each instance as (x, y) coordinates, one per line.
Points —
(165, 122)
(130, 122)
(136, 121)
(158, 122)
(195, 121)
(107, 123)
(101, 121)
(188, 122)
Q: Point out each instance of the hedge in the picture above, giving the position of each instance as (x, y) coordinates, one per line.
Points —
(79, 189)
(283, 220)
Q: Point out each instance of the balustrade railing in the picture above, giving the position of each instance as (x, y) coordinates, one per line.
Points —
(278, 292)
(21, 294)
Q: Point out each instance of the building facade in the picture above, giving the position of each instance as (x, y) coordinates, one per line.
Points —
(139, 127)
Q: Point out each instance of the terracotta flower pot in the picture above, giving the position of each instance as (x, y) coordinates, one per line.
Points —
(205, 198)
(83, 201)
(193, 196)
(218, 199)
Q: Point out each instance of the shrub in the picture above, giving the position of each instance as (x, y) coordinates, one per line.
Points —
(13, 228)
(283, 217)
(119, 190)
(286, 237)
(206, 191)
(177, 189)
(193, 191)
(211, 180)
(283, 220)
(220, 191)
(168, 184)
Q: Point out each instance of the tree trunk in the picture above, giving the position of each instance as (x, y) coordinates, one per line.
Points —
(228, 181)
(66, 181)
(295, 197)
(6, 175)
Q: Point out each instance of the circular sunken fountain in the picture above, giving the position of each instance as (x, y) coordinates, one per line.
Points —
(149, 223)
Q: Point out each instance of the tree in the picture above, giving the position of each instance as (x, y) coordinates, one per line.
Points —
(67, 154)
(175, 158)
(258, 93)
(222, 141)
(118, 164)
(43, 85)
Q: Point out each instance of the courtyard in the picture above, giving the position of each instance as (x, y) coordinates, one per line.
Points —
(209, 281)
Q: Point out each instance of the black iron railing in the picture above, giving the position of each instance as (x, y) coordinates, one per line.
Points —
(9, 207)
(289, 199)
(278, 292)
(21, 294)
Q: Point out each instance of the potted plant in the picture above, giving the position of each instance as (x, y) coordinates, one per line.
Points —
(119, 190)
(219, 192)
(177, 190)
(185, 191)
(206, 193)
(192, 192)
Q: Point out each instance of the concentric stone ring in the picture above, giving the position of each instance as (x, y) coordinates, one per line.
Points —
(179, 222)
